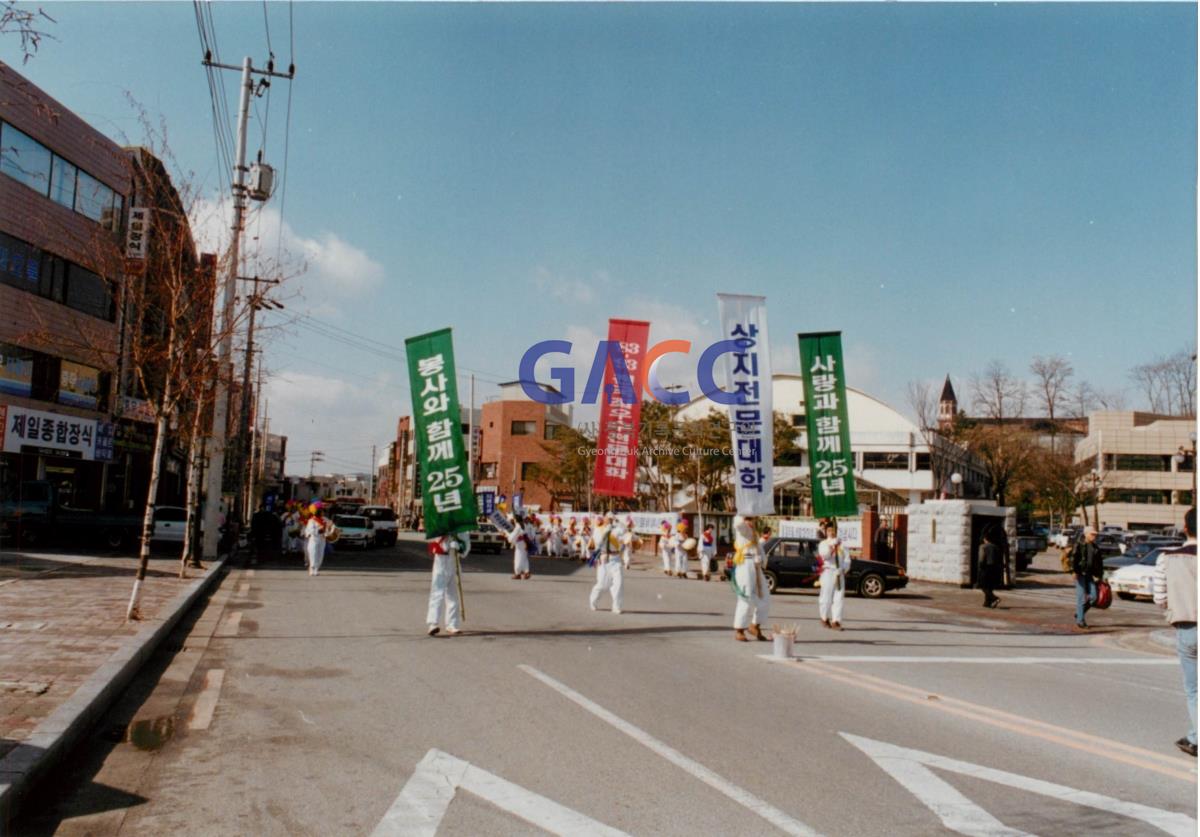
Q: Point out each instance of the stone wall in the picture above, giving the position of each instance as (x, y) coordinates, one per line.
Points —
(939, 538)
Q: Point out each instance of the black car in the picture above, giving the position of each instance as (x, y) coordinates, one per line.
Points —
(793, 562)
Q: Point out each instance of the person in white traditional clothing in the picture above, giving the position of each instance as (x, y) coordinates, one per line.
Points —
(314, 539)
(753, 596)
(629, 542)
(664, 546)
(556, 537)
(610, 573)
(708, 550)
(679, 552)
(520, 545)
(835, 563)
(444, 588)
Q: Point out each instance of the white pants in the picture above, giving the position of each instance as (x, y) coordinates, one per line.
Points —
(443, 594)
(679, 565)
(626, 556)
(665, 550)
(832, 595)
(706, 559)
(520, 559)
(754, 602)
(314, 554)
(609, 576)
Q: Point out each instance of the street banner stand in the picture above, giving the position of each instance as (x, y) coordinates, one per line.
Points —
(447, 495)
(831, 462)
(751, 417)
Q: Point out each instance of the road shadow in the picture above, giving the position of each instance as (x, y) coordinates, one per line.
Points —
(20, 566)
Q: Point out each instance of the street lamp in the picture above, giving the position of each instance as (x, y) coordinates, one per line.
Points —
(957, 479)
(1097, 478)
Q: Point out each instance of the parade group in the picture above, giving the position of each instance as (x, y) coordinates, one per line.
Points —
(608, 543)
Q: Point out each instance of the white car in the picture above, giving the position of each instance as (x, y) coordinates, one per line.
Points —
(387, 528)
(170, 522)
(1136, 580)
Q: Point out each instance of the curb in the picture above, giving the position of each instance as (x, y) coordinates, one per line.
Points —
(54, 738)
(1164, 637)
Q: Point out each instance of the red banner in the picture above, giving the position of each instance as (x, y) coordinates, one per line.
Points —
(621, 410)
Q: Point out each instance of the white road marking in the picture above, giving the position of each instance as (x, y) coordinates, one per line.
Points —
(206, 703)
(306, 719)
(771, 814)
(421, 805)
(1016, 661)
(911, 769)
(229, 627)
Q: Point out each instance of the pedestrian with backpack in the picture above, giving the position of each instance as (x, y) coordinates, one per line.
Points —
(1088, 566)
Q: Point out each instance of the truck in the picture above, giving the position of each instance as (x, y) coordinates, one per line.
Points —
(35, 515)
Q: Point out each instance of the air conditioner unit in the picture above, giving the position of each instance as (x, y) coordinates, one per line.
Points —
(262, 181)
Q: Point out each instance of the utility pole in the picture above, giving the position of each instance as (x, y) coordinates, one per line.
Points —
(216, 462)
(313, 458)
(374, 465)
(471, 433)
(256, 301)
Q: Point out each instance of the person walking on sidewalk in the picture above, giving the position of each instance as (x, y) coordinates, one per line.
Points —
(1088, 566)
(444, 600)
(991, 567)
(753, 595)
(1175, 590)
(835, 563)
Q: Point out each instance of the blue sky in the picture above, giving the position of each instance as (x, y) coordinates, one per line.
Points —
(946, 184)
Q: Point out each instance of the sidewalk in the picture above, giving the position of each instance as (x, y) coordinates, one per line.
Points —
(66, 649)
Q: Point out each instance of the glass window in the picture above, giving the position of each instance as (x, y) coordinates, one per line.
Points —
(20, 264)
(78, 385)
(528, 470)
(489, 470)
(924, 462)
(25, 159)
(88, 293)
(1142, 462)
(887, 461)
(62, 183)
(524, 428)
(551, 430)
(798, 420)
(94, 199)
(16, 370)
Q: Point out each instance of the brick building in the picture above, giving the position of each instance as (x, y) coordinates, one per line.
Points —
(514, 430)
(63, 190)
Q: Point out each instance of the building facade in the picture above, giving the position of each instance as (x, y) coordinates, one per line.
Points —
(63, 192)
(1143, 466)
(406, 471)
(514, 429)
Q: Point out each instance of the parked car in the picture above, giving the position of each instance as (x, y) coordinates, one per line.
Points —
(1029, 543)
(387, 528)
(36, 513)
(170, 523)
(1065, 537)
(1135, 580)
(487, 538)
(793, 563)
(1132, 554)
(356, 530)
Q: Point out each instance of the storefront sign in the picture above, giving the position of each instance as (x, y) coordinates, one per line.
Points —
(831, 461)
(105, 433)
(48, 434)
(748, 381)
(137, 409)
(137, 237)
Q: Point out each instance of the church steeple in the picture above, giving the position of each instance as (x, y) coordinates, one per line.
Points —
(947, 405)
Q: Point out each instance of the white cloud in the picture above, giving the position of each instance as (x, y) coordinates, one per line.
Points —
(319, 269)
(568, 288)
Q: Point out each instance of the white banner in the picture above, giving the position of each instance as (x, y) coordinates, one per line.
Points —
(751, 420)
(644, 523)
(48, 434)
(850, 531)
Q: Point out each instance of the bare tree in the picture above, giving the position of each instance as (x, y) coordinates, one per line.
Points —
(1168, 384)
(1006, 453)
(924, 401)
(25, 23)
(998, 394)
(1051, 377)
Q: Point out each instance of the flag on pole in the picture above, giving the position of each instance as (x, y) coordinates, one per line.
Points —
(830, 460)
(447, 495)
(751, 418)
(615, 472)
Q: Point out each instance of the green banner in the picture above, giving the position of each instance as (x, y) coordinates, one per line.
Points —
(830, 461)
(449, 498)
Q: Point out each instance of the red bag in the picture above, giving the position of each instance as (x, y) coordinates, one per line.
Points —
(1103, 595)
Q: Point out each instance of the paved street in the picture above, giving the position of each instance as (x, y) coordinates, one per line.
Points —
(301, 705)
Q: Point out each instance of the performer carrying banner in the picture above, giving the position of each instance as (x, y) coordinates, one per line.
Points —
(753, 596)
(835, 563)
(445, 589)
(609, 570)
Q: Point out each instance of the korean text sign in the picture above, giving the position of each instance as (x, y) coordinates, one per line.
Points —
(620, 410)
(447, 494)
(751, 417)
(831, 463)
